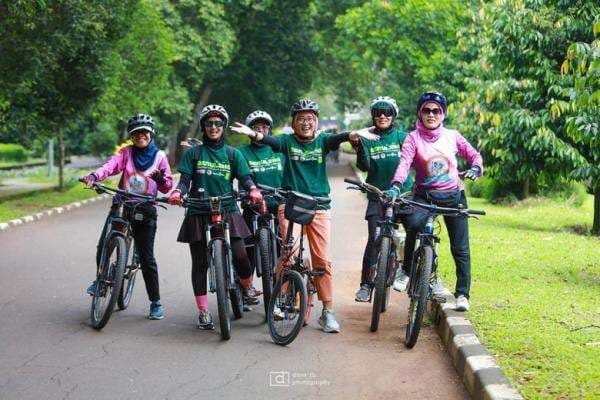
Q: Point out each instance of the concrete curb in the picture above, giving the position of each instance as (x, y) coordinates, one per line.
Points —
(481, 375)
(44, 214)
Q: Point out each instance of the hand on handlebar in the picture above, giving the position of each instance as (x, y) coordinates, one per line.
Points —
(175, 198)
(255, 196)
(394, 191)
(89, 180)
(473, 173)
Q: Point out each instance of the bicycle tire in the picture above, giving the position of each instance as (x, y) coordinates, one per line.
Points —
(380, 281)
(218, 263)
(237, 300)
(385, 304)
(310, 294)
(419, 295)
(107, 286)
(131, 269)
(289, 295)
(265, 258)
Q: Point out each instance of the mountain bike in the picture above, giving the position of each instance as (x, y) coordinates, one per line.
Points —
(222, 278)
(291, 302)
(115, 275)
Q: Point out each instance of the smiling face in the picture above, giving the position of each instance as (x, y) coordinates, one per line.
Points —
(383, 118)
(261, 126)
(141, 138)
(213, 127)
(431, 115)
(305, 124)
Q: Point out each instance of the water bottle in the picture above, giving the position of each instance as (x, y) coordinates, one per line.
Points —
(399, 236)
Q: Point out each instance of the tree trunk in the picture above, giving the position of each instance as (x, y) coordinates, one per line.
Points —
(526, 188)
(596, 226)
(61, 164)
(175, 150)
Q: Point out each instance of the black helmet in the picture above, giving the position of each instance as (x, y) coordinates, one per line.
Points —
(432, 96)
(140, 121)
(305, 105)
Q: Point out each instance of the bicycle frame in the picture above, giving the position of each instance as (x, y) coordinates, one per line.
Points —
(221, 233)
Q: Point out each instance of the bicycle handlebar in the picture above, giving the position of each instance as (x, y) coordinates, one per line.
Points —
(114, 191)
(282, 193)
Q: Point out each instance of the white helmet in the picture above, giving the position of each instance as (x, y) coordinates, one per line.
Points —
(381, 100)
(254, 115)
(214, 109)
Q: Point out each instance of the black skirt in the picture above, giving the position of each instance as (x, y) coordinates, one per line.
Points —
(193, 227)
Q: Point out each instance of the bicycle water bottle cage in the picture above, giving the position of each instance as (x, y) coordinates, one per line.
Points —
(300, 208)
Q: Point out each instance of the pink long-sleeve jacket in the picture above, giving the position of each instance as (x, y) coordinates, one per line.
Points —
(134, 180)
(433, 158)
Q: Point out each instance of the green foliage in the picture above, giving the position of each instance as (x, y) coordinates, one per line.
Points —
(12, 152)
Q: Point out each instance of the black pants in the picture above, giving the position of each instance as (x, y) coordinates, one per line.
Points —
(143, 233)
(458, 231)
(198, 251)
(373, 214)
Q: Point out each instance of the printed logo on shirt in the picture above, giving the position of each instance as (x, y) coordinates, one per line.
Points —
(137, 184)
(268, 164)
(437, 170)
(385, 151)
(204, 167)
(297, 154)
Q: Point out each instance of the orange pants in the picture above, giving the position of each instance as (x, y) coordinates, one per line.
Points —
(318, 233)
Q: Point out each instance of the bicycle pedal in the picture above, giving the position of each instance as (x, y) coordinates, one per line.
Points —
(439, 299)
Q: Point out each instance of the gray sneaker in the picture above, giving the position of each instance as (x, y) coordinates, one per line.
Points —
(205, 321)
(438, 287)
(328, 322)
(401, 281)
(363, 293)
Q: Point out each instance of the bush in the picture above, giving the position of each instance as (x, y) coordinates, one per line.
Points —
(12, 152)
(572, 193)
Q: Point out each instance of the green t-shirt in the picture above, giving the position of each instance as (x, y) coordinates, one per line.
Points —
(383, 156)
(266, 166)
(211, 170)
(305, 168)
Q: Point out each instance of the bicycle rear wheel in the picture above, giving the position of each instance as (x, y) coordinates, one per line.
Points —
(266, 263)
(287, 308)
(108, 281)
(380, 281)
(131, 270)
(237, 300)
(217, 260)
(419, 294)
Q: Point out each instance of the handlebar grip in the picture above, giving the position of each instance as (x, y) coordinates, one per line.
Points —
(81, 180)
(265, 187)
(353, 181)
(477, 212)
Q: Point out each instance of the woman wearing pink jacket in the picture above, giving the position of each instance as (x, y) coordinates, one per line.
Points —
(431, 150)
(145, 170)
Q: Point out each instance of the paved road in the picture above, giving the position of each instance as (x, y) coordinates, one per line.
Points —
(49, 351)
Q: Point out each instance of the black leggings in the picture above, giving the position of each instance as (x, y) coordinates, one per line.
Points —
(198, 251)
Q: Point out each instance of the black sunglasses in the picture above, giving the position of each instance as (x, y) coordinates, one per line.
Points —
(378, 112)
(434, 111)
(210, 124)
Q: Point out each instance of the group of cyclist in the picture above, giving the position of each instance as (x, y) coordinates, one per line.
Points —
(296, 162)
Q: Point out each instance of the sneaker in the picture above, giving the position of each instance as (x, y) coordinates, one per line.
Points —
(363, 293)
(156, 311)
(328, 322)
(205, 321)
(250, 296)
(278, 315)
(92, 288)
(438, 287)
(462, 303)
(401, 281)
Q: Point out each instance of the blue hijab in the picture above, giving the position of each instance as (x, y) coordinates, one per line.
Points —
(143, 158)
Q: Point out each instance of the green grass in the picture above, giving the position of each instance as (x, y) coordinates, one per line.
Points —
(535, 295)
(18, 164)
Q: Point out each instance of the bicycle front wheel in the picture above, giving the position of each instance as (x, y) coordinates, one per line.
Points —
(108, 281)
(380, 281)
(419, 294)
(218, 263)
(131, 269)
(287, 308)
(266, 262)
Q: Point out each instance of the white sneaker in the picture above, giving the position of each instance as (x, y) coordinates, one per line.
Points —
(401, 281)
(438, 287)
(328, 322)
(462, 303)
(278, 315)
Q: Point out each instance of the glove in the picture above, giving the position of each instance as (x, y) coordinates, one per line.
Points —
(158, 176)
(394, 191)
(255, 196)
(473, 173)
(89, 180)
(175, 198)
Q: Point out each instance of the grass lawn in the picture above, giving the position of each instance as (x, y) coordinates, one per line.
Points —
(535, 295)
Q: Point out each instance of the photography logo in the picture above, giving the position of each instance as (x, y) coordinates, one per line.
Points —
(279, 378)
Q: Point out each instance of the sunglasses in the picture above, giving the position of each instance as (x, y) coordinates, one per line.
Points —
(210, 124)
(434, 111)
(378, 112)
